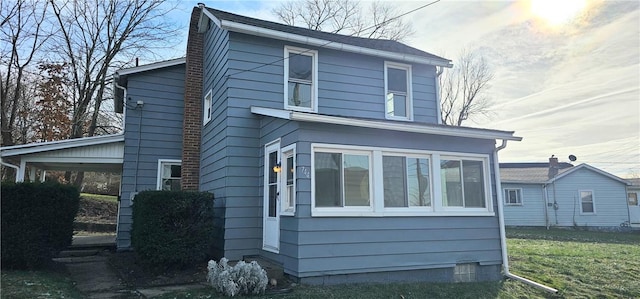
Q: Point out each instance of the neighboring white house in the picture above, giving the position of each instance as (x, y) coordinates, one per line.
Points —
(563, 195)
(633, 194)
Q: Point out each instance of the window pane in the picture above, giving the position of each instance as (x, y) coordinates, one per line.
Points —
(451, 183)
(633, 199)
(356, 180)
(395, 193)
(300, 66)
(328, 179)
(273, 196)
(299, 94)
(175, 171)
(171, 184)
(290, 168)
(397, 79)
(273, 160)
(418, 182)
(473, 184)
(587, 201)
(396, 104)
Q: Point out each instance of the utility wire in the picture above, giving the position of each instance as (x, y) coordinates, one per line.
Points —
(329, 42)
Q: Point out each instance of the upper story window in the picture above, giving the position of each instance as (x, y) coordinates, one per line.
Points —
(301, 79)
(169, 174)
(513, 197)
(398, 99)
(207, 106)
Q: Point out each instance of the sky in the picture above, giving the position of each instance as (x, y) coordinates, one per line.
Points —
(567, 73)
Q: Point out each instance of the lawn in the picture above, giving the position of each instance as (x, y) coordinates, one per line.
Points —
(577, 263)
(109, 198)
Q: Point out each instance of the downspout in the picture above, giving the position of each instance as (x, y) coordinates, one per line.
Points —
(503, 235)
(17, 168)
(124, 100)
(439, 71)
(546, 204)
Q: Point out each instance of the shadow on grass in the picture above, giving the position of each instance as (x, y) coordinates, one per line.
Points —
(575, 235)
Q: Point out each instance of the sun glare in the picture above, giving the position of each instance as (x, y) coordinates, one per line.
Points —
(557, 12)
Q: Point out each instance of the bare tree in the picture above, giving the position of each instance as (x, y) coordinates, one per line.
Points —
(22, 35)
(463, 89)
(350, 17)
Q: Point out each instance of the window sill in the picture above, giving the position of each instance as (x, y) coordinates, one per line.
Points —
(288, 213)
(300, 109)
(387, 213)
(397, 118)
(513, 204)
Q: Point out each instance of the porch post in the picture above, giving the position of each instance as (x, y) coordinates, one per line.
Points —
(43, 176)
(21, 170)
(32, 174)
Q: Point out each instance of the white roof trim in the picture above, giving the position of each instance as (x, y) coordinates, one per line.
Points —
(291, 37)
(151, 66)
(587, 166)
(386, 125)
(32, 148)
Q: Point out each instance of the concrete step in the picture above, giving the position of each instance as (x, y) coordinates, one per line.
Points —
(78, 252)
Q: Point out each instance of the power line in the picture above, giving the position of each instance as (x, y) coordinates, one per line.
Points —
(329, 42)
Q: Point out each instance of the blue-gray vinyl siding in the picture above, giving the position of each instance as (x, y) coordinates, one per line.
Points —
(152, 132)
(532, 210)
(610, 200)
(318, 246)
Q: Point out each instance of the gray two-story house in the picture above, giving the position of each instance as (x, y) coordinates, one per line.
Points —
(325, 153)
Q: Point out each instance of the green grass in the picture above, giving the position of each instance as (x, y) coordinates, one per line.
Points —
(110, 198)
(37, 284)
(580, 264)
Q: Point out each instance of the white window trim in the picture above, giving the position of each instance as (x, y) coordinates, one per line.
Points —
(285, 152)
(376, 183)
(314, 78)
(519, 190)
(159, 171)
(409, 103)
(593, 201)
(207, 103)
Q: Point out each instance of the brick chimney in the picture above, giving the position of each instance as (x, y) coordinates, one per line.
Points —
(553, 166)
(192, 124)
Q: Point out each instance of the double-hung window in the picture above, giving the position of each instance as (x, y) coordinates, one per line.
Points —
(406, 181)
(513, 197)
(169, 174)
(301, 79)
(463, 183)
(587, 204)
(398, 100)
(342, 179)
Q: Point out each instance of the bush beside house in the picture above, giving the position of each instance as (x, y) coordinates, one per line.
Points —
(172, 229)
(37, 222)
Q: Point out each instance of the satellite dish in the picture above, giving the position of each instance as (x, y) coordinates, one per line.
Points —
(572, 158)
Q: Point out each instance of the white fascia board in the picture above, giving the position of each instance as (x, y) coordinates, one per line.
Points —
(210, 16)
(290, 37)
(372, 124)
(453, 131)
(152, 66)
(31, 148)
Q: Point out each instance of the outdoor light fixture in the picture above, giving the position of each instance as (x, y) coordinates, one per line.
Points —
(277, 168)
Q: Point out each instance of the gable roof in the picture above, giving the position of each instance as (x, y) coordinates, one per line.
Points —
(537, 173)
(376, 47)
(121, 75)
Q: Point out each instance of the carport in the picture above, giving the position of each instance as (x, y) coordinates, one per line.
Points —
(97, 154)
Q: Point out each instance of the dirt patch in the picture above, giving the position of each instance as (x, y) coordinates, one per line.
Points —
(97, 211)
(135, 275)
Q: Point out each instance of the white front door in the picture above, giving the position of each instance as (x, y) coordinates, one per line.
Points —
(271, 205)
(634, 207)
